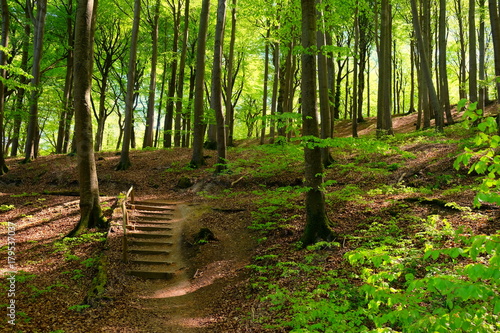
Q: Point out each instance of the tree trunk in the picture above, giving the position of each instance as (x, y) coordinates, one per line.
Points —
(324, 99)
(495, 33)
(124, 163)
(169, 115)
(274, 99)
(68, 82)
(317, 223)
(461, 33)
(150, 117)
(181, 116)
(197, 159)
(481, 40)
(266, 83)
(384, 120)
(443, 72)
(355, 87)
(90, 210)
(21, 92)
(230, 79)
(32, 136)
(426, 68)
(472, 52)
(216, 100)
(3, 74)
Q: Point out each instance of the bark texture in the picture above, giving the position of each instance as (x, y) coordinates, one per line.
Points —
(317, 223)
(90, 209)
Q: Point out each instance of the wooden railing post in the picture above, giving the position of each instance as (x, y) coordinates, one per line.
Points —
(130, 193)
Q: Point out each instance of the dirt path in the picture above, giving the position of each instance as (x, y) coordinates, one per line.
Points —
(186, 302)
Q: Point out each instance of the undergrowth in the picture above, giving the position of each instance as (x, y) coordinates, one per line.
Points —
(397, 273)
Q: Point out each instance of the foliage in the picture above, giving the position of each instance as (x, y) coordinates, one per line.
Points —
(5, 208)
(483, 156)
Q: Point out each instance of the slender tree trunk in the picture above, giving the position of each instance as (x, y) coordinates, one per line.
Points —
(495, 33)
(21, 92)
(482, 55)
(32, 136)
(180, 115)
(124, 163)
(443, 72)
(355, 74)
(472, 52)
(162, 91)
(230, 79)
(150, 117)
(169, 115)
(90, 210)
(384, 120)
(426, 69)
(197, 159)
(274, 99)
(461, 33)
(324, 99)
(68, 82)
(216, 99)
(317, 223)
(3, 74)
(266, 83)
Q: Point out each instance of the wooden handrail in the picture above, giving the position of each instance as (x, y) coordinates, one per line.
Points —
(130, 193)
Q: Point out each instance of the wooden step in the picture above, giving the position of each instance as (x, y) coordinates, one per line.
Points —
(153, 223)
(152, 274)
(153, 203)
(150, 251)
(148, 235)
(149, 227)
(151, 262)
(148, 207)
(153, 218)
(149, 242)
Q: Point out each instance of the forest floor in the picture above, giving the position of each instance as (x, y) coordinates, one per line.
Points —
(213, 292)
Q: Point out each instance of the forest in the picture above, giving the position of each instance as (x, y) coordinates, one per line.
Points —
(315, 166)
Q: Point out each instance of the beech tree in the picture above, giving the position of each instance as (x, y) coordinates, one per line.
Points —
(90, 209)
(197, 159)
(32, 135)
(384, 114)
(3, 73)
(148, 133)
(124, 163)
(216, 99)
(317, 222)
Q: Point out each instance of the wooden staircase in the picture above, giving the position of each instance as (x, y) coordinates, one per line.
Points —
(151, 238)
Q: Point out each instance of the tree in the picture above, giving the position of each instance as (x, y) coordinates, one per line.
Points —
(148, 134)
(317, 222)
(443, 71)
(110, 48)
(384, 120)
(424, 62)
(180, 81)
(32, 136)
(66, 115)
(3, 74)
(90, 209)
(472, 52)
(169, 116)
(324, 99)
(216, 99)
(197, 158)
(230, 80)
(124, 163)
(495, 33)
